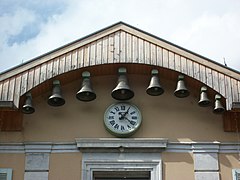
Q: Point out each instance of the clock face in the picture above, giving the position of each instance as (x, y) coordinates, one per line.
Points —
(122, 119)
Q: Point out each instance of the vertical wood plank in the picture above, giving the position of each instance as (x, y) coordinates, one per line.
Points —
(238, 91)
(190, 68)
(11, 89)
(135, 58)
(43, 72)
(36, 76)
(129, 48)
(209, 77)
(17, 90)
(55, 67)
(202, 74)
(141, 51)
(5, 90)
(30, 79)
(171, 61)
(215, 80)
(24, 83)
(74, 64)
(116, 55)
(80, 58)
(147, 59)
(92, 57)
(1, 89)
(123, 46)
(196, 73)
(234, 90)
(165, 58)
(177, 63)
(153, 54)
(111, 48)
(183, 65)
(222, 86)
(62, 64)
(50, 69)
(68, 62)
(99, 51)
(159, 56)
(228, 92)
(86, 53)
(105, 51)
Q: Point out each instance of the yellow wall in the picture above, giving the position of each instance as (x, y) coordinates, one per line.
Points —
(178, 166)
(178, 119)
(14, 161)
(227, 163)
(65, 166)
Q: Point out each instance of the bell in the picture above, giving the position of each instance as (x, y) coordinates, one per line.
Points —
(56, 98)
(181, 90)
(122, 91)
(218, 108)
(204, 101)
(86, 93)
(28, 107)
(154, 88)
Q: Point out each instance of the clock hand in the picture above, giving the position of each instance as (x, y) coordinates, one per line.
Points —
(124, 115)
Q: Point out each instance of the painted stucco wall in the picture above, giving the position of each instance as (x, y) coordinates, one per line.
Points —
(178, 119)
(163, 117)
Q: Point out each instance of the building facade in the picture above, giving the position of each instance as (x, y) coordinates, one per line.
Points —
(120, 104)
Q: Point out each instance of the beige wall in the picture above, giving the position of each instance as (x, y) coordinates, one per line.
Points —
(177, 166)
(14, 161)
(227, 163)
(179, 119)
(65, 166)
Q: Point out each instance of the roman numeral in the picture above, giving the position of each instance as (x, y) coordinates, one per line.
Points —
(112, 122)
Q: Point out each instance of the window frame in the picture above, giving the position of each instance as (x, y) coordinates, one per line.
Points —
(7, 171)
(235, 173)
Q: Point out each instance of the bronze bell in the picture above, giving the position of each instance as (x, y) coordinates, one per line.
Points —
(86, 93)
(56, 98)
(204, 101)
(122, 91)
(181, 90)
(28, 107)
(154, 88)
(218, 108)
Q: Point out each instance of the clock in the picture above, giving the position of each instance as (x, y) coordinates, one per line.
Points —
(122, 119)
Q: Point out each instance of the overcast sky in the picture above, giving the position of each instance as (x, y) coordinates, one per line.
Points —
(29, 28)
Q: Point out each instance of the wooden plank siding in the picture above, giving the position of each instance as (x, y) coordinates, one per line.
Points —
(120, 46)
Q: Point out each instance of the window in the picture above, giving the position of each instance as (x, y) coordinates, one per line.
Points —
(5, 174)
(121, 175)
(236, 174)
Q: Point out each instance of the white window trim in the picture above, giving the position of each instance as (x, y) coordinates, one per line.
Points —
(7, 171)
(93, 162)
(121, 154)
(235, 172)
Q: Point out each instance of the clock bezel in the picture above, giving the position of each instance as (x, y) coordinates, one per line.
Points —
(125, 133)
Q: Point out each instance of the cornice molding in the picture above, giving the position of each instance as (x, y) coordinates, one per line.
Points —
(122, 145)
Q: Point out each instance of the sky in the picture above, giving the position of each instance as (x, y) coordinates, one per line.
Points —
(30, 28)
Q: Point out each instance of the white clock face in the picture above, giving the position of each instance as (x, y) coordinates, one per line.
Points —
(122, 119)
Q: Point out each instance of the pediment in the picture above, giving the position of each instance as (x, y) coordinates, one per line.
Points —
(116, 44)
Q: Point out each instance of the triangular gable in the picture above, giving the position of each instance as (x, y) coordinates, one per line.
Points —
(119, 43)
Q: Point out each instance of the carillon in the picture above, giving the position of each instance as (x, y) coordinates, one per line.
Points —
(86, 93)
(28, 107)
(154, 88)
(122, 91)
(181, 90)
(56, 98)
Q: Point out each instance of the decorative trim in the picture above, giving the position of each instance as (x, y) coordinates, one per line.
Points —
(157, 144)
(121, 144)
